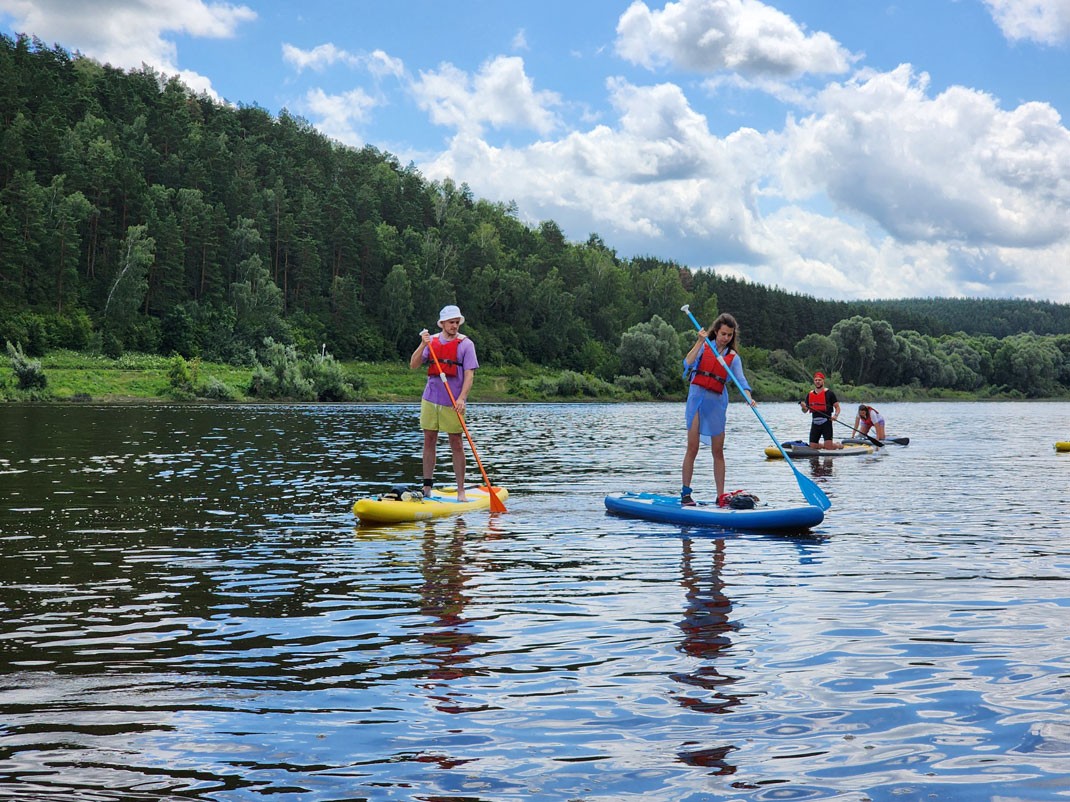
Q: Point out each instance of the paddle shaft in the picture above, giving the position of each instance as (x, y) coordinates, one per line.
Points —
(814, 494)
(496, 503)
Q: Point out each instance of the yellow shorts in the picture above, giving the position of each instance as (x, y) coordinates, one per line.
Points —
(437, 418)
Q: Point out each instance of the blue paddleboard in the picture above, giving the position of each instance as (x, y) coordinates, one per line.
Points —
(654, 507)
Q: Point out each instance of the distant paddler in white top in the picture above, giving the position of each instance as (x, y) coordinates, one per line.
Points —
(868, 418)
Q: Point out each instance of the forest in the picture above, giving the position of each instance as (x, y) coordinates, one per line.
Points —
(138, 216)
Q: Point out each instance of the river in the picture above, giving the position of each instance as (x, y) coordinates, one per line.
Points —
(190, 612)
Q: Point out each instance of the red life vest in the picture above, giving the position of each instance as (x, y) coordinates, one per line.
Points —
(447, 356)
(709, 373)
(818, 402)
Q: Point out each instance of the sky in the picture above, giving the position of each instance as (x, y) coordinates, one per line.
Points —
(844, 149)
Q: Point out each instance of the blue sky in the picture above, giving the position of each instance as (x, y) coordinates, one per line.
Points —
(843, 149)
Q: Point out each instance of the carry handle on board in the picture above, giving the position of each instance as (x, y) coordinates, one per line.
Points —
(814, 494)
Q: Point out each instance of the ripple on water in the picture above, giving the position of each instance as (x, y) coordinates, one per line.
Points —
(190, 612)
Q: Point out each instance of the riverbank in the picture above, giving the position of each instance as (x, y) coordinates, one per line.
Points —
(75, 376)
(79, 377)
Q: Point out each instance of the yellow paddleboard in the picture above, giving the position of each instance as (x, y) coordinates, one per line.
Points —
(1063, 445)
(439, 504)
(799, 450)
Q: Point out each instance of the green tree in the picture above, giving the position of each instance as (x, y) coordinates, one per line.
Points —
(398, 314)
(14, 146)
(856, 347)
(23, 228)
(279, 374)
(70, 212)
(353, 333)
(555, 326)
(194, 218)
(818, 352)
(90, 162)
(28, 371)
(167, 284)
(257, 302)
(659, 291)
(130, 283)
(256, 298)
(1029, 364)
(655, 347)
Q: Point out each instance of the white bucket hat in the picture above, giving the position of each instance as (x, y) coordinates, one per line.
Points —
(449, 313)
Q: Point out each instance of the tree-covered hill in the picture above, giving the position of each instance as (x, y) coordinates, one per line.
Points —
(137, 215)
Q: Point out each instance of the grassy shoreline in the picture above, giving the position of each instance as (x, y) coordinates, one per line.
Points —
(79, 377)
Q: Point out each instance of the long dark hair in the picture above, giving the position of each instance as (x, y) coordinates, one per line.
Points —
(725, 319)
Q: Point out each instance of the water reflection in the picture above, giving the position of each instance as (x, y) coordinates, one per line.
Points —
(821, 466)
(443, 598)
(707, 631)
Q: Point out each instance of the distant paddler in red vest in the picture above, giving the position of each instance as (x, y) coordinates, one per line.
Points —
(707, 400)
(822, 403)
(457, 359)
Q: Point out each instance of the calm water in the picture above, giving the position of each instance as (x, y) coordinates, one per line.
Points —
(189, 612)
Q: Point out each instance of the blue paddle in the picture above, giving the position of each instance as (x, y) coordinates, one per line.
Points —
(814, 494)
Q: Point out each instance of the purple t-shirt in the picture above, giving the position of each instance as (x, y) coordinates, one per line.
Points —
(435, 392)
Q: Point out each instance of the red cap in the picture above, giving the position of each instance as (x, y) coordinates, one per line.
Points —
(819, 375)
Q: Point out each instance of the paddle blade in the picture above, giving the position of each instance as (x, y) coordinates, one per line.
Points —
(869, 437)
(496, 504)
(814, 494)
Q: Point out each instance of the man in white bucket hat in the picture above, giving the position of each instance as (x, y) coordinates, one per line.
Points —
(457, 360)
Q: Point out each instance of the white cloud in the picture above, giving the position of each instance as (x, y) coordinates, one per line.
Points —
(655, 179)
(129, 33)
(500, 95)
(937, 196)
(952, 168)
(1043, 21)
(744, 36)
(381, 64)
(834, 258)
(338, 115)
(319, 58)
